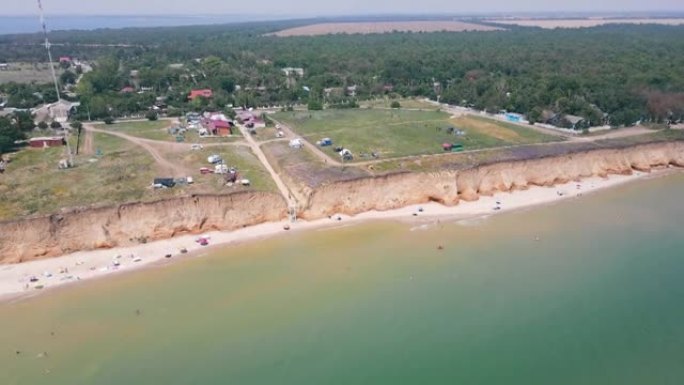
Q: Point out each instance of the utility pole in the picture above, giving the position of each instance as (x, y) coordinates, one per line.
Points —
(54, 77)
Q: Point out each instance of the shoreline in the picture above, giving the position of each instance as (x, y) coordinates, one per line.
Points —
(83, 266)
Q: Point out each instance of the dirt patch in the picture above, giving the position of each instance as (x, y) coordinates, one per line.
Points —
(383, 27)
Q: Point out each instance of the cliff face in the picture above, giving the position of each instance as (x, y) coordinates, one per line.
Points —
(43, 237)
(382, 193)
(58, 234)
(398, 190)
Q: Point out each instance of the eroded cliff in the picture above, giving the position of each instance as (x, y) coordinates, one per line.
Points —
(448, 187)
(127, 224)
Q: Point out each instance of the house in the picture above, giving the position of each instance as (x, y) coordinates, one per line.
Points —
(221, 127)
(4, 66)
(332, 91)
(203, 93)
(573, 122)
(250, 120)
(127, 90)
(58, 111)
(65, 59)
(47, 141)
(351, 90)
(549, 117)
(289, 71)
(388, 88)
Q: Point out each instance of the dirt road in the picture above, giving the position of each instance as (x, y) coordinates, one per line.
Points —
(256, 149)
(166, 167)
(314, 149)
(88, 146)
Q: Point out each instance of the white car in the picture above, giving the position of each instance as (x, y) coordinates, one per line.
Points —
(213, 159)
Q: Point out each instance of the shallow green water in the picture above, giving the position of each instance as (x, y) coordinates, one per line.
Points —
(598, 299)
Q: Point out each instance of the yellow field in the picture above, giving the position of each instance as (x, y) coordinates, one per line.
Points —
(582, 23)
(489, 127)
(383, 27)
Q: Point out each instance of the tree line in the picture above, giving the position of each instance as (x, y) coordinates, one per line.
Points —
(615, 74)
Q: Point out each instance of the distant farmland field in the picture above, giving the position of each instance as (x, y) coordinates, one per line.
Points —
(582, 23)
(383, 27)
(27, 73)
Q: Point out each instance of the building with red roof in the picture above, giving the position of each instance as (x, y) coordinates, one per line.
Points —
(204, 93)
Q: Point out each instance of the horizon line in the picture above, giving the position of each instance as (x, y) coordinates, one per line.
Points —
(677, 12)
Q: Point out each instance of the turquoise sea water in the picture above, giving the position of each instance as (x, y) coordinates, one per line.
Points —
(588, 291)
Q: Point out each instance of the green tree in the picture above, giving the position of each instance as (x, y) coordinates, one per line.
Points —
(395, 104)
(151, 116)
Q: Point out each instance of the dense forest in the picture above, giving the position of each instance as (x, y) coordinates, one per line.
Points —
(617, 74)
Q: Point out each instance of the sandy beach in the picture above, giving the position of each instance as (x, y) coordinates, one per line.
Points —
(32, 278)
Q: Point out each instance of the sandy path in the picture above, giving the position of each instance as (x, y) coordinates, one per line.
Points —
(256, 149)
(15, 283)
(88, 146)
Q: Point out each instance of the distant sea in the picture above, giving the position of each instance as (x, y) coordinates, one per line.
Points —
(31, 23)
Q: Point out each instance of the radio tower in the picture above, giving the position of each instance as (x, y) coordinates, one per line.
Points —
(54, 76)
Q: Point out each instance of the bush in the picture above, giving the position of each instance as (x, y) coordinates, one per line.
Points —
(152, 116)
(55, 125)
(315, 105)
(43, 125)
(108, 120)
(395, 104)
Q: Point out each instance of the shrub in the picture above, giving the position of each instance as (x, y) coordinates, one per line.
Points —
(395, 104)
(315, 105)
(108, 120)
(43, 125)
(151, 116)
(55, 125)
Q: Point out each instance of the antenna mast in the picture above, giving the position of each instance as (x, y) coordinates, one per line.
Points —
(54, 75)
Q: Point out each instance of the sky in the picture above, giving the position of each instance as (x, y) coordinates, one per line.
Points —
(326, 8)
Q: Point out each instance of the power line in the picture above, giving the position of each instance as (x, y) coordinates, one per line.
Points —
(54, 76)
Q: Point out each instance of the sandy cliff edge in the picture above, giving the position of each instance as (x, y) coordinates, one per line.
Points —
(133, 223)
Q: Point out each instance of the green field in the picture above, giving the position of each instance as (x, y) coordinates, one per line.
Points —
(33, 184)
(240, 157)
(404, 103)
(396, 133)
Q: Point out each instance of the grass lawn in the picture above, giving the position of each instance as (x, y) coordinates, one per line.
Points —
(33, 184)
(155, 130)
(240, 157)
(396, 133)
(405, 103)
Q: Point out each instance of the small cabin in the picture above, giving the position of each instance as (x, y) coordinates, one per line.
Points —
(51, 141)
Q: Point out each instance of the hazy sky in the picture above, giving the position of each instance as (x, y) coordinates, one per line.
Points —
(322, 7)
